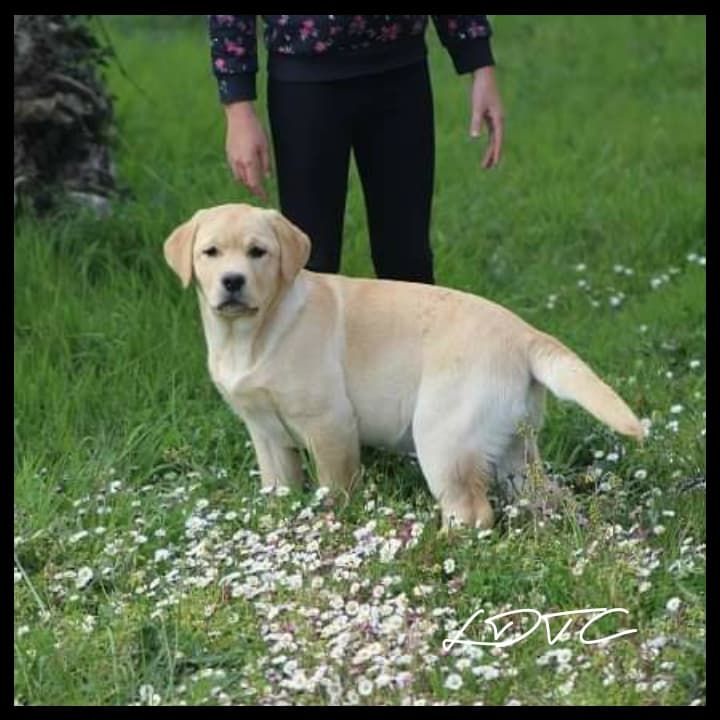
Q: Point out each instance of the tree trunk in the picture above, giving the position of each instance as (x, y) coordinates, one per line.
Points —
(63, 113)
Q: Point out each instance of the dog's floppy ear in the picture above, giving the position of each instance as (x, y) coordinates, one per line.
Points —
(294, 245)
(178, 249)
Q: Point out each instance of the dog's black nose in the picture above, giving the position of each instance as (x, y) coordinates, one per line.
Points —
(233, 282)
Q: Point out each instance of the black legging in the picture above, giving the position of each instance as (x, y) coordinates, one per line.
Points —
(387, 120)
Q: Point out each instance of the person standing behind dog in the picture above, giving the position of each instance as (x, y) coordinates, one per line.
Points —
(342, 82)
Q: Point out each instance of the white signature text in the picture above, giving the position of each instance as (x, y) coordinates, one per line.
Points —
(502, 622)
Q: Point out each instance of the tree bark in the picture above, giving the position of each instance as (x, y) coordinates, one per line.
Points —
(63, 114)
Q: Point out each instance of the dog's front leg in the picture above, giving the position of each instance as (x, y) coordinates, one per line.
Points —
(335, 451)
(279, 465)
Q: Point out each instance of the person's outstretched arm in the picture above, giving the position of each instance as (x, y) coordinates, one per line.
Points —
(233, 48)
(467, 40)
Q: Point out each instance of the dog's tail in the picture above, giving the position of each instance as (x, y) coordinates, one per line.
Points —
(569, 378)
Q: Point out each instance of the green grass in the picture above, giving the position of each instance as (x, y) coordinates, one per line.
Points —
(604, 165)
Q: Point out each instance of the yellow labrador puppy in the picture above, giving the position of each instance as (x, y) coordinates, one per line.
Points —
(333, 363)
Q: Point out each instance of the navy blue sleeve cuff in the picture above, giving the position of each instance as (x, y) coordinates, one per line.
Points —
(236, 88)
(469, 55)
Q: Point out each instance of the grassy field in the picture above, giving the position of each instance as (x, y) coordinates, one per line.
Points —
(150, 569)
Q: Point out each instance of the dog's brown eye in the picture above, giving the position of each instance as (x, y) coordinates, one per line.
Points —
(212, 251)
(256, 252)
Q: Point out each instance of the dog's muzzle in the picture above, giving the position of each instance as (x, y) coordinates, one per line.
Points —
(233, 303)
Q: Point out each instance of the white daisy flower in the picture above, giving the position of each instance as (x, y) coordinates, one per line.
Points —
(84, 577)
(365, 686)
(453, 682)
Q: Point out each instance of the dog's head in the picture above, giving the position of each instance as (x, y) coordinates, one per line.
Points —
(240, 256)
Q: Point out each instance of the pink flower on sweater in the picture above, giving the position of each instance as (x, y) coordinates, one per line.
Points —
(234, 49)
(308, 29)
(389, 32)
(357, 25)
(476, 29)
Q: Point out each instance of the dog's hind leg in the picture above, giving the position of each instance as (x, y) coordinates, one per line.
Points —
(458, 476)
(461, 487)
(456, 451)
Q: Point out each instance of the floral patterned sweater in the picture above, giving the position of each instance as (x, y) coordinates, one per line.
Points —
(313, 48)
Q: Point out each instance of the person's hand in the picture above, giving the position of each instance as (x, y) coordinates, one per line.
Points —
(486, 108)
(247, 148)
